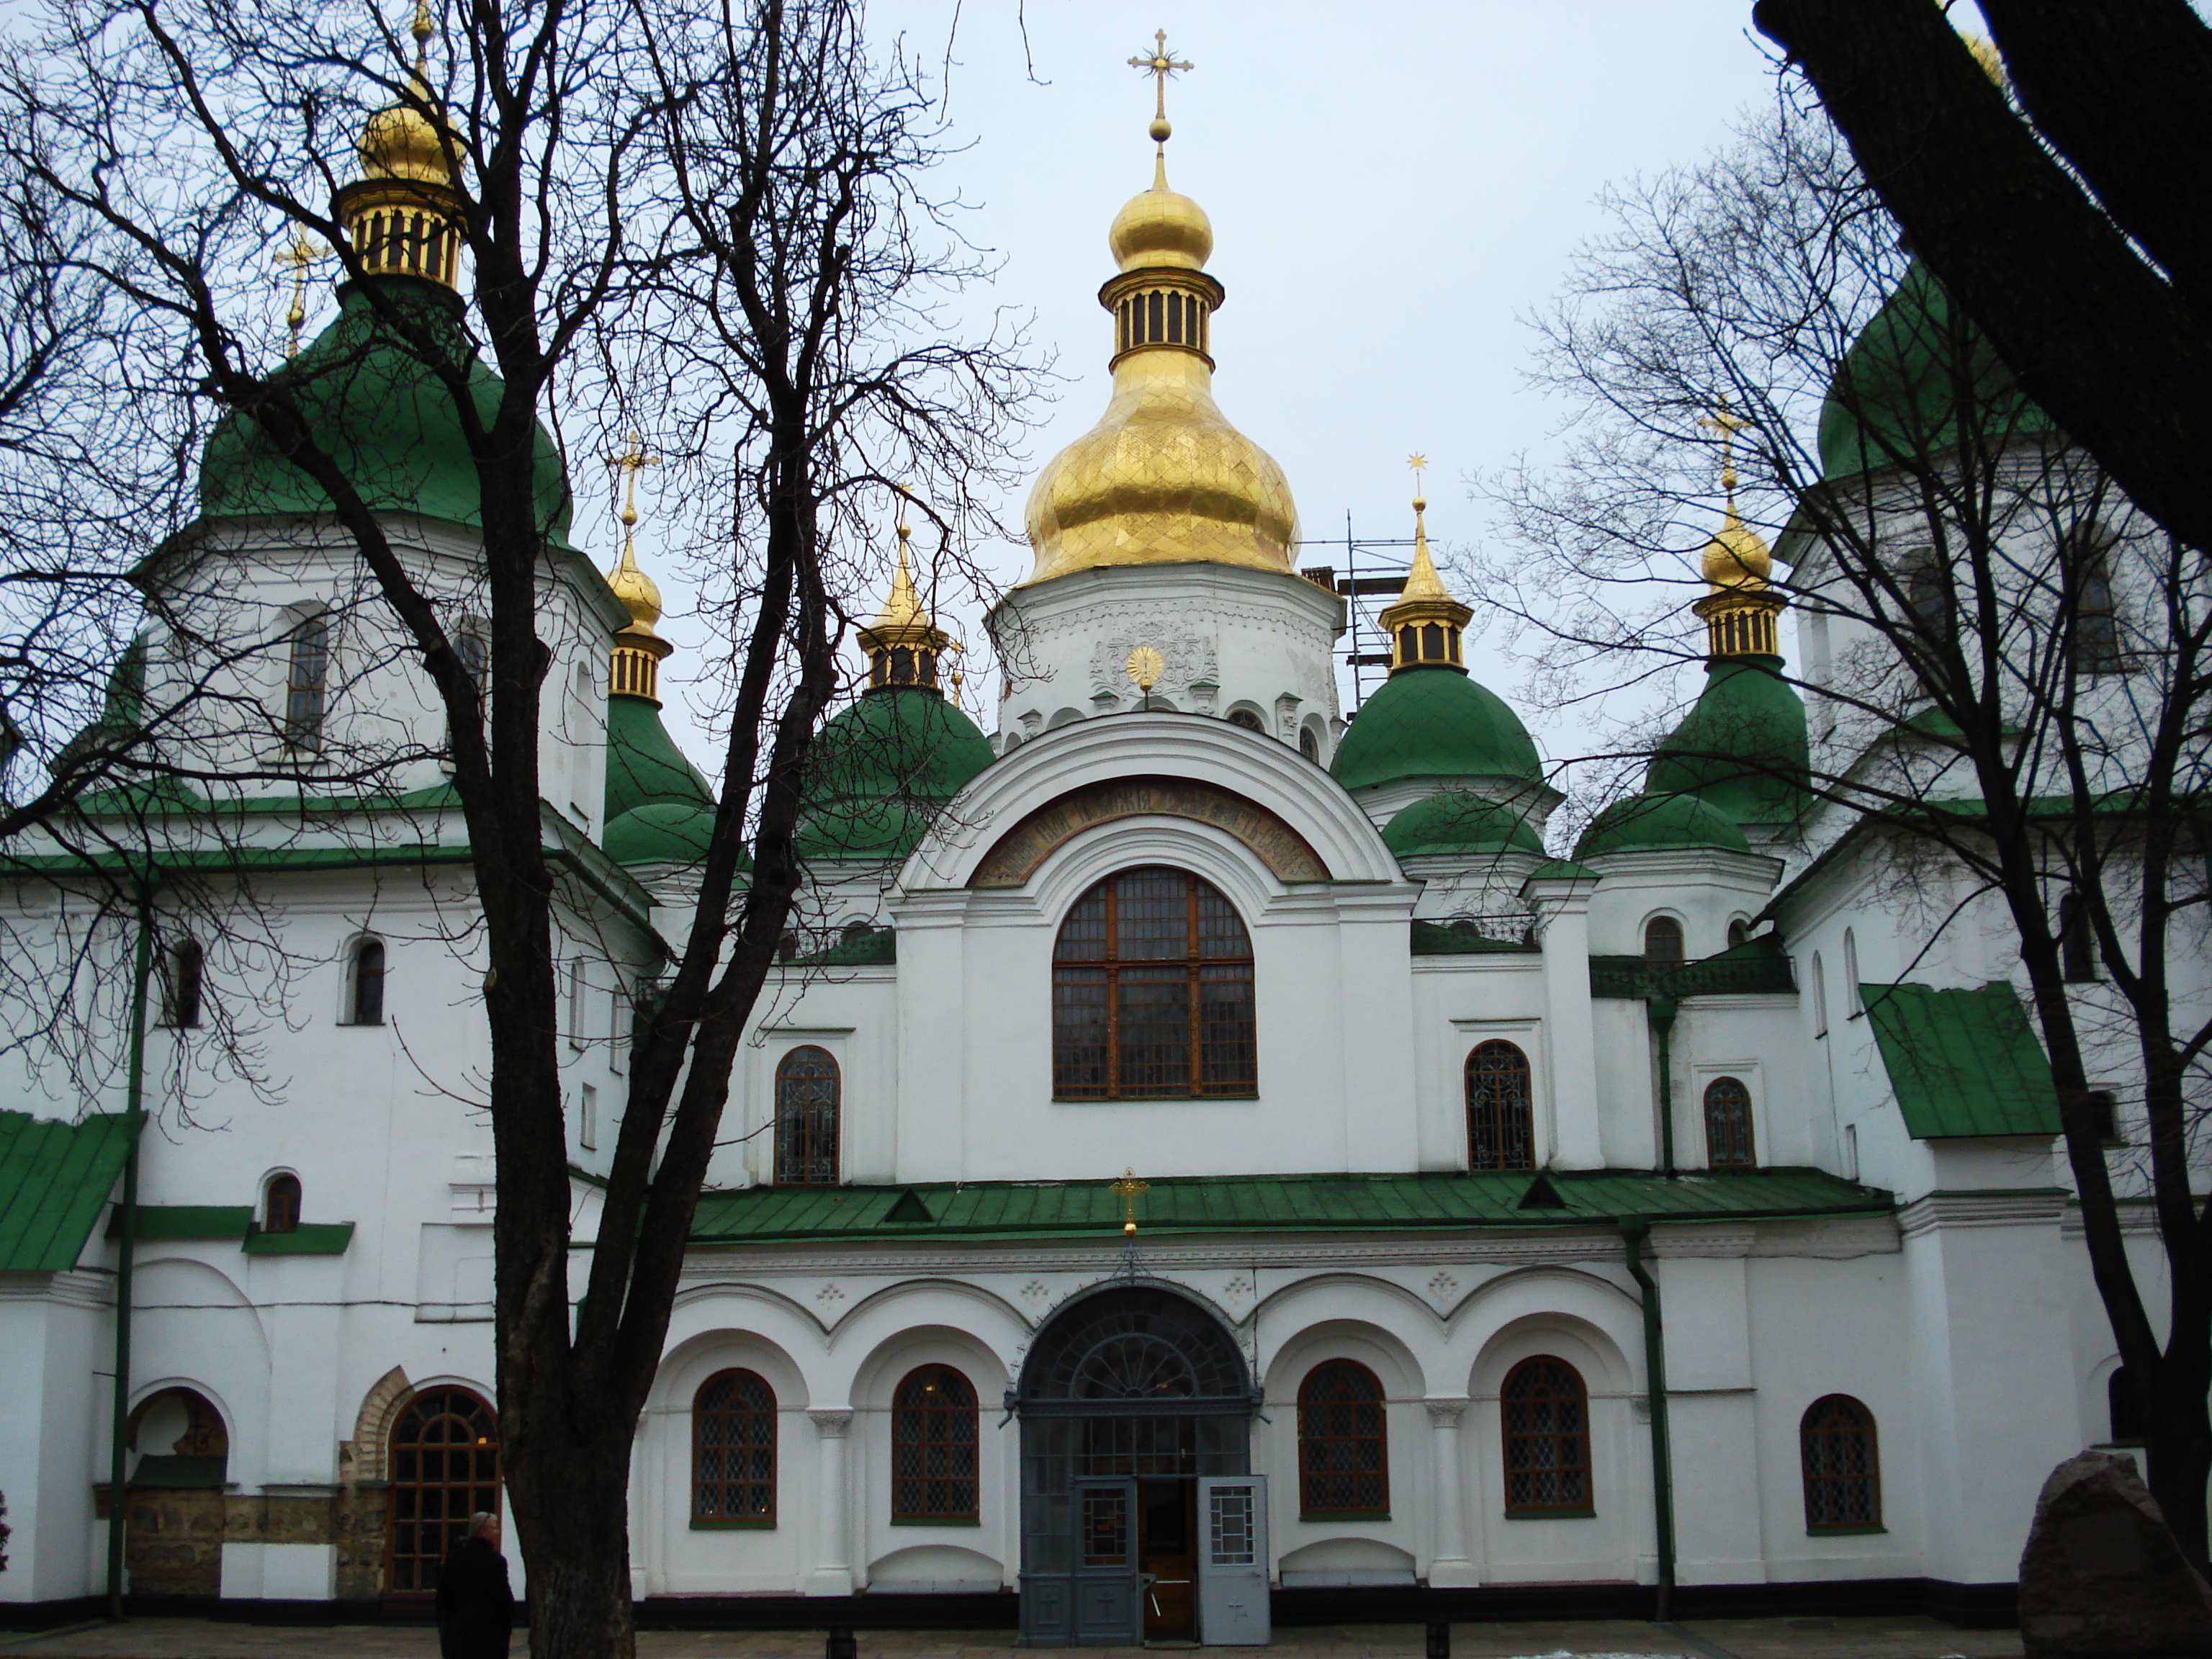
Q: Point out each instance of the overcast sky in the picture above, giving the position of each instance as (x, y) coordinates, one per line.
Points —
(1392, 188)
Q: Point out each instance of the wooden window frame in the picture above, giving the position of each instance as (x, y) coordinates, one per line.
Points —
(1505, 1159)
(1666, 926)
(1314, 1438)
(1243, 1086)
(1866, 1429)
(282, 1198)
(1717, 1142)
(396, 1464)
(1577, 1440)
(356, 984)
(306, 680)
(700, 1415)
(787, 1158)
(955, 1418)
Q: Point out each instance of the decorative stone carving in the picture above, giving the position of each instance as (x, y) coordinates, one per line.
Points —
(1185, 654)
(1019, 853)
(2102, 1577)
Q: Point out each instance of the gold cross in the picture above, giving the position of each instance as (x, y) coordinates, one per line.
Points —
(1129, 1189)
(300, 255)
(1159, 66)
(633, 460)
(1728, 426)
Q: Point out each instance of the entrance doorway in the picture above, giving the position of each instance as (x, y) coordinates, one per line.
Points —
(1128, 1397)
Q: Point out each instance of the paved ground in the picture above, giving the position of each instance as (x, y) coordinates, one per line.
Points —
(1734, 1638)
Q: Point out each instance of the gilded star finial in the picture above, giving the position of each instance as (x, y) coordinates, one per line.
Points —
(633, 460)
(1159, 64)
(1418, 463)
(302, 253)
(1129, 1189)
(1728, 425)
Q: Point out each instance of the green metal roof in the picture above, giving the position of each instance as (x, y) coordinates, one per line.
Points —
(1962, 1062)
(1434, 722)
(308, 1238)
(1277, 1204)
(54, 1181)
(187, 1221)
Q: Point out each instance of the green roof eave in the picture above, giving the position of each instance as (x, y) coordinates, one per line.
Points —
(1962, 1063)
(55, 1179)
(180, 1221)
(308, 1238)
(1196, 1205)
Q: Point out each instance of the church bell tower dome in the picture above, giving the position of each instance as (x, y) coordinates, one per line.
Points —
(1163, 478)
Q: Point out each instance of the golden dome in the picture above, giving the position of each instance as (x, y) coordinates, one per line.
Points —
(1163, 478)
(639, 592)
(1161, 227)
(399, 143)
(1737, 557)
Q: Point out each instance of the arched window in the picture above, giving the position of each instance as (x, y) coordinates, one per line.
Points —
(187, 964)
(1500, 1119)
(1545, 1410)
(2078, 958)
(1728, 1125)
(1820, 997)
(806, 1102)
(1843, 1473)
(1662, 939)
(1852, 1004)
(307, 677)
(1738, 934)
(933, 1447)
(733, 1452)
(2123, 1410)
(1152, 992)
(1310, 744)
(1247, 718)
(365, 983)
(280, 1205)
(445, 1468)
(1344, 1464)
(2095, 625)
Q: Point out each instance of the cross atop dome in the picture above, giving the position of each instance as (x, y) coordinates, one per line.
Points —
(1160, 65)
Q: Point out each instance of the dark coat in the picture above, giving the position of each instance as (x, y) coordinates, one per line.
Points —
(475, 1606)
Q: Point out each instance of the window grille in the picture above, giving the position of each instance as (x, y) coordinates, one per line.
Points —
(1728, 1125)
(933, 1442)
(1662, 939)
(1500, 1116)
(734, 1450)
(1152, 992)
(1343, 1446)
(306, 683)
(280, 1207)
(445, 1468)
(367, 989)
(1842, 1474)
(807, 1091)
(1547, 1416)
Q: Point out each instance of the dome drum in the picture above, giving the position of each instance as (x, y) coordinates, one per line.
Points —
(1161, 307)
(403, 227)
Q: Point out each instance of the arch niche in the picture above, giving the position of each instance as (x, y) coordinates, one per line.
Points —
(1127, 1396)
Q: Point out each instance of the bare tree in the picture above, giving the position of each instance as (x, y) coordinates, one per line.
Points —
(711, 226)
(2003, 657)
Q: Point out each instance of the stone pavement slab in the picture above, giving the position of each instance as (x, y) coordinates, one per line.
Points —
(1731, 1638)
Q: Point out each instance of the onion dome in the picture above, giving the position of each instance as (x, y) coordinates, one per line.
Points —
(635, 670)
(1429, 719)
(402, 216)
(1659, 823)
(884, 768)
(1163, 478)
(1920, 379)
(1458, 825)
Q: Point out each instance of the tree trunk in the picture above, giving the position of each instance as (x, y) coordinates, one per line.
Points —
(571, 1508)
(2178, 1437)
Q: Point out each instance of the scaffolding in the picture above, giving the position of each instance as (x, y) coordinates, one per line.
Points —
(1362, 579)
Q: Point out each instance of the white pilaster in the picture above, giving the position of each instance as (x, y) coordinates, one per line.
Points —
(1561, 898)
(1448, 1563)
(833, 1568)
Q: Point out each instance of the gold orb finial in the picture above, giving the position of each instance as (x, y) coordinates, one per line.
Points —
(302, 253)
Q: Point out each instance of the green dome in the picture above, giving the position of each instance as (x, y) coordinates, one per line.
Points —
(1434, 723)
(644, 765)
(1659, 823)
(1743, 748)
(1895, 395)
(881, 769)
(374, 406)
(1456, 824)
(662, 832)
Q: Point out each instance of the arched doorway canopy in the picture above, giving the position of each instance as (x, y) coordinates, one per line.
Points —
(1136, 1351)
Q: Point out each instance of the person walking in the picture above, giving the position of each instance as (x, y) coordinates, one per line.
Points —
(476, 1604)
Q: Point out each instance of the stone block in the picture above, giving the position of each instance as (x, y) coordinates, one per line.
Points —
(2102, 1577)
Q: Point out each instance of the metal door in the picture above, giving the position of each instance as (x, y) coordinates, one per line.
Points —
(1107, 1611)
(1232, 1561)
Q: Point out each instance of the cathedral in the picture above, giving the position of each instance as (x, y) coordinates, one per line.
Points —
(1210, 1156)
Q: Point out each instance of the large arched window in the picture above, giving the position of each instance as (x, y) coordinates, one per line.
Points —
(1500, 1119)
(1343, 1466)
(445, 1468)
(1842, 1474)
(306, 678)
(807, 1102)
(733, 1452)
(933, 1448)
(1728, 1125)
(1662, 939)
(1546, 1419)
(1152, 992)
